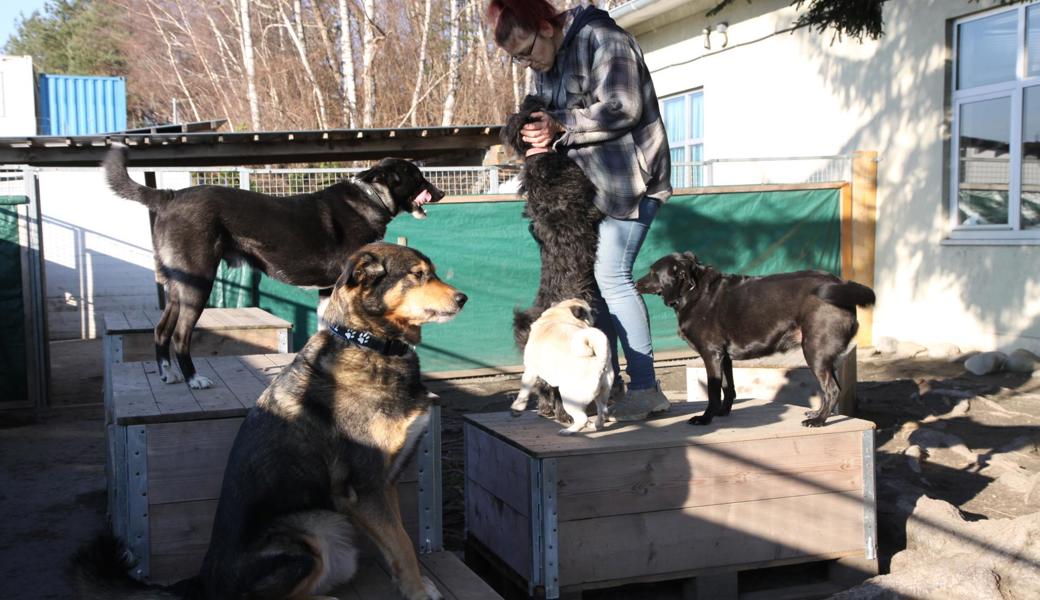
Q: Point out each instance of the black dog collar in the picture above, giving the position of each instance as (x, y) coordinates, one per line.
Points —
(365, 339)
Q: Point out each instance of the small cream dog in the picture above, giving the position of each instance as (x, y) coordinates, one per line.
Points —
(566, 351)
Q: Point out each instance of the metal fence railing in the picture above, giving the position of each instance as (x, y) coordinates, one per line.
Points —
(453, 181)
(758, 171)
(503, 179)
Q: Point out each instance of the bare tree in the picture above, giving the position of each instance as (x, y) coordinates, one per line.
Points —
(301, 50)
(348, 82)
(368, 50)
(454, 58)
(246, 39)
(420, 74)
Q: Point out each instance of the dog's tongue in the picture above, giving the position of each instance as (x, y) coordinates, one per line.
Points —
(423, 197)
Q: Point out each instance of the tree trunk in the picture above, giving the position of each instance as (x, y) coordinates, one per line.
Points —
(346, 66)
(249, 64)
(368, 50)
(454, 58)
(218, 89)
(420, 76)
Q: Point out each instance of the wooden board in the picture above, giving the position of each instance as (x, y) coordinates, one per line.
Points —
(714, 536)
(750, 420)
(453, 579)
(215, 319)
(500, 527)
(139, 397)
(606, 484)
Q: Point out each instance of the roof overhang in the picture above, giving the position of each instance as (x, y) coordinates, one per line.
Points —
(636, 12)
(436, 144)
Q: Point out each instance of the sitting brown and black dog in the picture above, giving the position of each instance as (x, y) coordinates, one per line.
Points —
(726, 317)
(319, 454)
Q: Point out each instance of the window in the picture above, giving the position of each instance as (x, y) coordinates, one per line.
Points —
(995, 174)
(683, 116)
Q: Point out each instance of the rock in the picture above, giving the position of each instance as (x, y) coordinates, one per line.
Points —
(943, 350)
(932, 439)
(910, 349)
(1021, 361)
(985, 362)
(948, 558)
(887, 345)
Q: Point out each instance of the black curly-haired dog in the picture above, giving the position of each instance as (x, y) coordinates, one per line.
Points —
(565, 223)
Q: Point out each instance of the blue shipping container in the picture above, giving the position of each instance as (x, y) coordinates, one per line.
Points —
(81, 105)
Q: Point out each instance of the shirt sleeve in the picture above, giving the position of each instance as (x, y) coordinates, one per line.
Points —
(616, 101)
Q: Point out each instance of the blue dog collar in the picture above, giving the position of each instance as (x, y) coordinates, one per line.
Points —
(365, 339)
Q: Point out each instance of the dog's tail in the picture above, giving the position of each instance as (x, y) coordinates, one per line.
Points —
(847, 295)
(100, 571)
(119, 180)
(589, 342)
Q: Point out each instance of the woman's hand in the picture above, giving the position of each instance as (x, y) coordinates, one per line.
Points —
(541, 132)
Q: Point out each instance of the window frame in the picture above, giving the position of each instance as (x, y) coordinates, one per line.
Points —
(691, 173)
(1014, 89)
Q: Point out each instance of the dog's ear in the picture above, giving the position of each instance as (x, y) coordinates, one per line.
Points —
(381, 174)
(364, 268)
(582, 312)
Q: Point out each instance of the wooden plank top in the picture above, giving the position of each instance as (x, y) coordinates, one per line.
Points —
(139, 397)
(453, 579)
(214, 319)
(750, 420)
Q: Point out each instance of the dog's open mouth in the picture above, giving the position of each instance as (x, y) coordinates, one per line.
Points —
(440, 316)
(417, 203)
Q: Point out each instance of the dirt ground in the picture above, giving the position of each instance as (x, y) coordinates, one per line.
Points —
(976, 441)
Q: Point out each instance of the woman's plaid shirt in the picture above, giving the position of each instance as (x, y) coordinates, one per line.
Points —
(600, 91)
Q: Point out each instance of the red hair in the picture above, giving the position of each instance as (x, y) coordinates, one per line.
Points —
(506, 15)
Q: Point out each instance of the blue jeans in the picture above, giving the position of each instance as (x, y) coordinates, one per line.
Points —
(621, 313)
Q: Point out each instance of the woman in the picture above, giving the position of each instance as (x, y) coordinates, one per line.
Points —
(603, 113)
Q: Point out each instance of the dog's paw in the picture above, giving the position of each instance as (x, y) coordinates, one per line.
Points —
(700, 420)
(429, 592)
(515, 413)
(170, 376)
(566, 431)
(198, 382)
(817, 422)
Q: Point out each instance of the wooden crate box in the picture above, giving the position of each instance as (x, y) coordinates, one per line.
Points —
(169, 445)
(662, 499)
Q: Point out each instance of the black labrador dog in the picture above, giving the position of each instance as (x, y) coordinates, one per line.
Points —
(725, 317)
(302, 240)
(565, 224)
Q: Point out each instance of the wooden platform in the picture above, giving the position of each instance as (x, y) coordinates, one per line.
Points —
(168, 446)
(219, 332)
(661, 499)
(780, 378)
(453, 578)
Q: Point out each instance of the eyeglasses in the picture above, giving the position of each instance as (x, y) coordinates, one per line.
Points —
(524, 58)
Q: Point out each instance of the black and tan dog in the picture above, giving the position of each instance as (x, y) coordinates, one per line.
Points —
(565, 224)
(725, 317)
(323, 447)
(302, 240)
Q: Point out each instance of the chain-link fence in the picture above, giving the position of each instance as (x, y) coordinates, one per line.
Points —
(453, 181)
(502, 179)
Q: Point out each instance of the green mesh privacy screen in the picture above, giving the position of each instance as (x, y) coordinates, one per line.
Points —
(12, 313)
(485, 250)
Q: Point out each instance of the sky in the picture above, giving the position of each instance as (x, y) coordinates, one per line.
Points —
(10, 14)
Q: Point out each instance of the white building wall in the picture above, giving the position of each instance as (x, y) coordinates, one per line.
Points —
(98, 252)
(789, 94)
(17, 96)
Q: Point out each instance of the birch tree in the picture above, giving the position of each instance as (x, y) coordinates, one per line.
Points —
(368, 51)
(246, 39)
(454, 58)
(347, 81)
